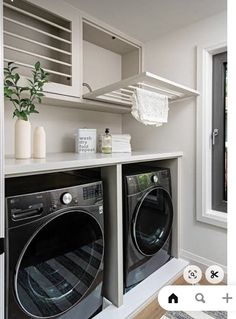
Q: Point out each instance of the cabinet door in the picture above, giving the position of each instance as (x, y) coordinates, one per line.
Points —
(49, 32)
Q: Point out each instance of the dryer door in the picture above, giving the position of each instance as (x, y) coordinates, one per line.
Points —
(152, 221)
(59, 264)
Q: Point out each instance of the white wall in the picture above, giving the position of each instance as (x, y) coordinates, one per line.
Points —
(174, 56)
(101, 67)
(60, 125)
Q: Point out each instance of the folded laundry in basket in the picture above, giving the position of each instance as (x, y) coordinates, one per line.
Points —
(149, 108)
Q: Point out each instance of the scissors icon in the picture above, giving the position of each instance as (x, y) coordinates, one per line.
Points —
(214, 274)
(200, 297)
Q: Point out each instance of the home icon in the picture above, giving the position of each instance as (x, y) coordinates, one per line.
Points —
(173, 299)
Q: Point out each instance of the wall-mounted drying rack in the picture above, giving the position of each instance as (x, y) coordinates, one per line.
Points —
(120, 92)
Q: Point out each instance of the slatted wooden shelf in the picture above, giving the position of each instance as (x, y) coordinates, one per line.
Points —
(33, 34)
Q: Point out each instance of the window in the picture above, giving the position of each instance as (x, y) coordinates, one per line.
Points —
(211, 152)
(219, 132)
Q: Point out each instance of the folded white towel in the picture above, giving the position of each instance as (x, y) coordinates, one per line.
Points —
(121, 143)
(121, 137)
(121, 150)
(149, 108)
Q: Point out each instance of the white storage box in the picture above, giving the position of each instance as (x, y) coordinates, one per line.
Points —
(86, 141)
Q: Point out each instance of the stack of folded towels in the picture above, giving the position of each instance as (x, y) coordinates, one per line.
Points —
(121, 143)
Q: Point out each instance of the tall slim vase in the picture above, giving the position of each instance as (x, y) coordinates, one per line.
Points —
(22, 139)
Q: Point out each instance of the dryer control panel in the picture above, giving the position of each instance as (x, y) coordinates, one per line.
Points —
(143, 181)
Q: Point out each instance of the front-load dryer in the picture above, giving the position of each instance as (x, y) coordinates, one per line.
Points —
(147, 220)
(55, 247)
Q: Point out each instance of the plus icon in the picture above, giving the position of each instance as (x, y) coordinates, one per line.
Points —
(227, 298)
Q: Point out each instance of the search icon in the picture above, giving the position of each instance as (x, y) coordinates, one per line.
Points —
(200, 297)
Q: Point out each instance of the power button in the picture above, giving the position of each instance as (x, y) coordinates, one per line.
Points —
(154, 178)
(66, 198)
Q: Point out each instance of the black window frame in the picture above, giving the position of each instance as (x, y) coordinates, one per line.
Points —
(219, 196)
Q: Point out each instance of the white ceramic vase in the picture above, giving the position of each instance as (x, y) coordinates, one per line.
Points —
(22, 139)
(39, 142)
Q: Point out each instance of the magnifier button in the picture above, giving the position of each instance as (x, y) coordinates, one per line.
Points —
(200, 297)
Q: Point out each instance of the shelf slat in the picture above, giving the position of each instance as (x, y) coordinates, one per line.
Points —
(37, 30)
(120, 94)
(159, 89)
(7, 5)
(14, 35)
(31, 66)
(116, 100)
(37, 55)
(150, 81)
(119, 97)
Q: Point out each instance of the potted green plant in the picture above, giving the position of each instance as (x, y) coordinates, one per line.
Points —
(23, 99)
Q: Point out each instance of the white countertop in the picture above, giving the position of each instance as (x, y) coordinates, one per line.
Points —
(65, 161)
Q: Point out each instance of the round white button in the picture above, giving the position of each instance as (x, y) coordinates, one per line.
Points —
(66, 198)
(214, 274)
(192, 274)
(155, 178)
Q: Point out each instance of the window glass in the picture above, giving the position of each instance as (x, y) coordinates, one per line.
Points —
(219, 133)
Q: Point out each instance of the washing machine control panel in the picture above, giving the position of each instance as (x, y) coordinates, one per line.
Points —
(75, 196)
(30, 207)
(92, 191)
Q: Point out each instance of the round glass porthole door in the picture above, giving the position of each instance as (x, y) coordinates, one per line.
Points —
(59, 264)
(152, 221)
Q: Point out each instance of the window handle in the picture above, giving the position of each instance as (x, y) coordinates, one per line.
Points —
(215, 133)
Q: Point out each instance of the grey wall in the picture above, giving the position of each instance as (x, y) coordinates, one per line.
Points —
(174, 56)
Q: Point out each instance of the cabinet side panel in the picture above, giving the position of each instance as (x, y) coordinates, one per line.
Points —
(113, 281)
(130, 64)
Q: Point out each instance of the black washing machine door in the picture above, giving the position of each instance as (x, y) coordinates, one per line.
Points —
(59, 264)
(152, 221)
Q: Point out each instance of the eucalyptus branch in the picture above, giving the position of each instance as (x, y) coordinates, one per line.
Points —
(24, 106)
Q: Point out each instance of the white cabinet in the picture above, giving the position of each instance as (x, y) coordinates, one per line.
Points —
(112, 67)
(73, 48)
(108, 57)
(69, 46)
(39, 30)
(91, 65)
